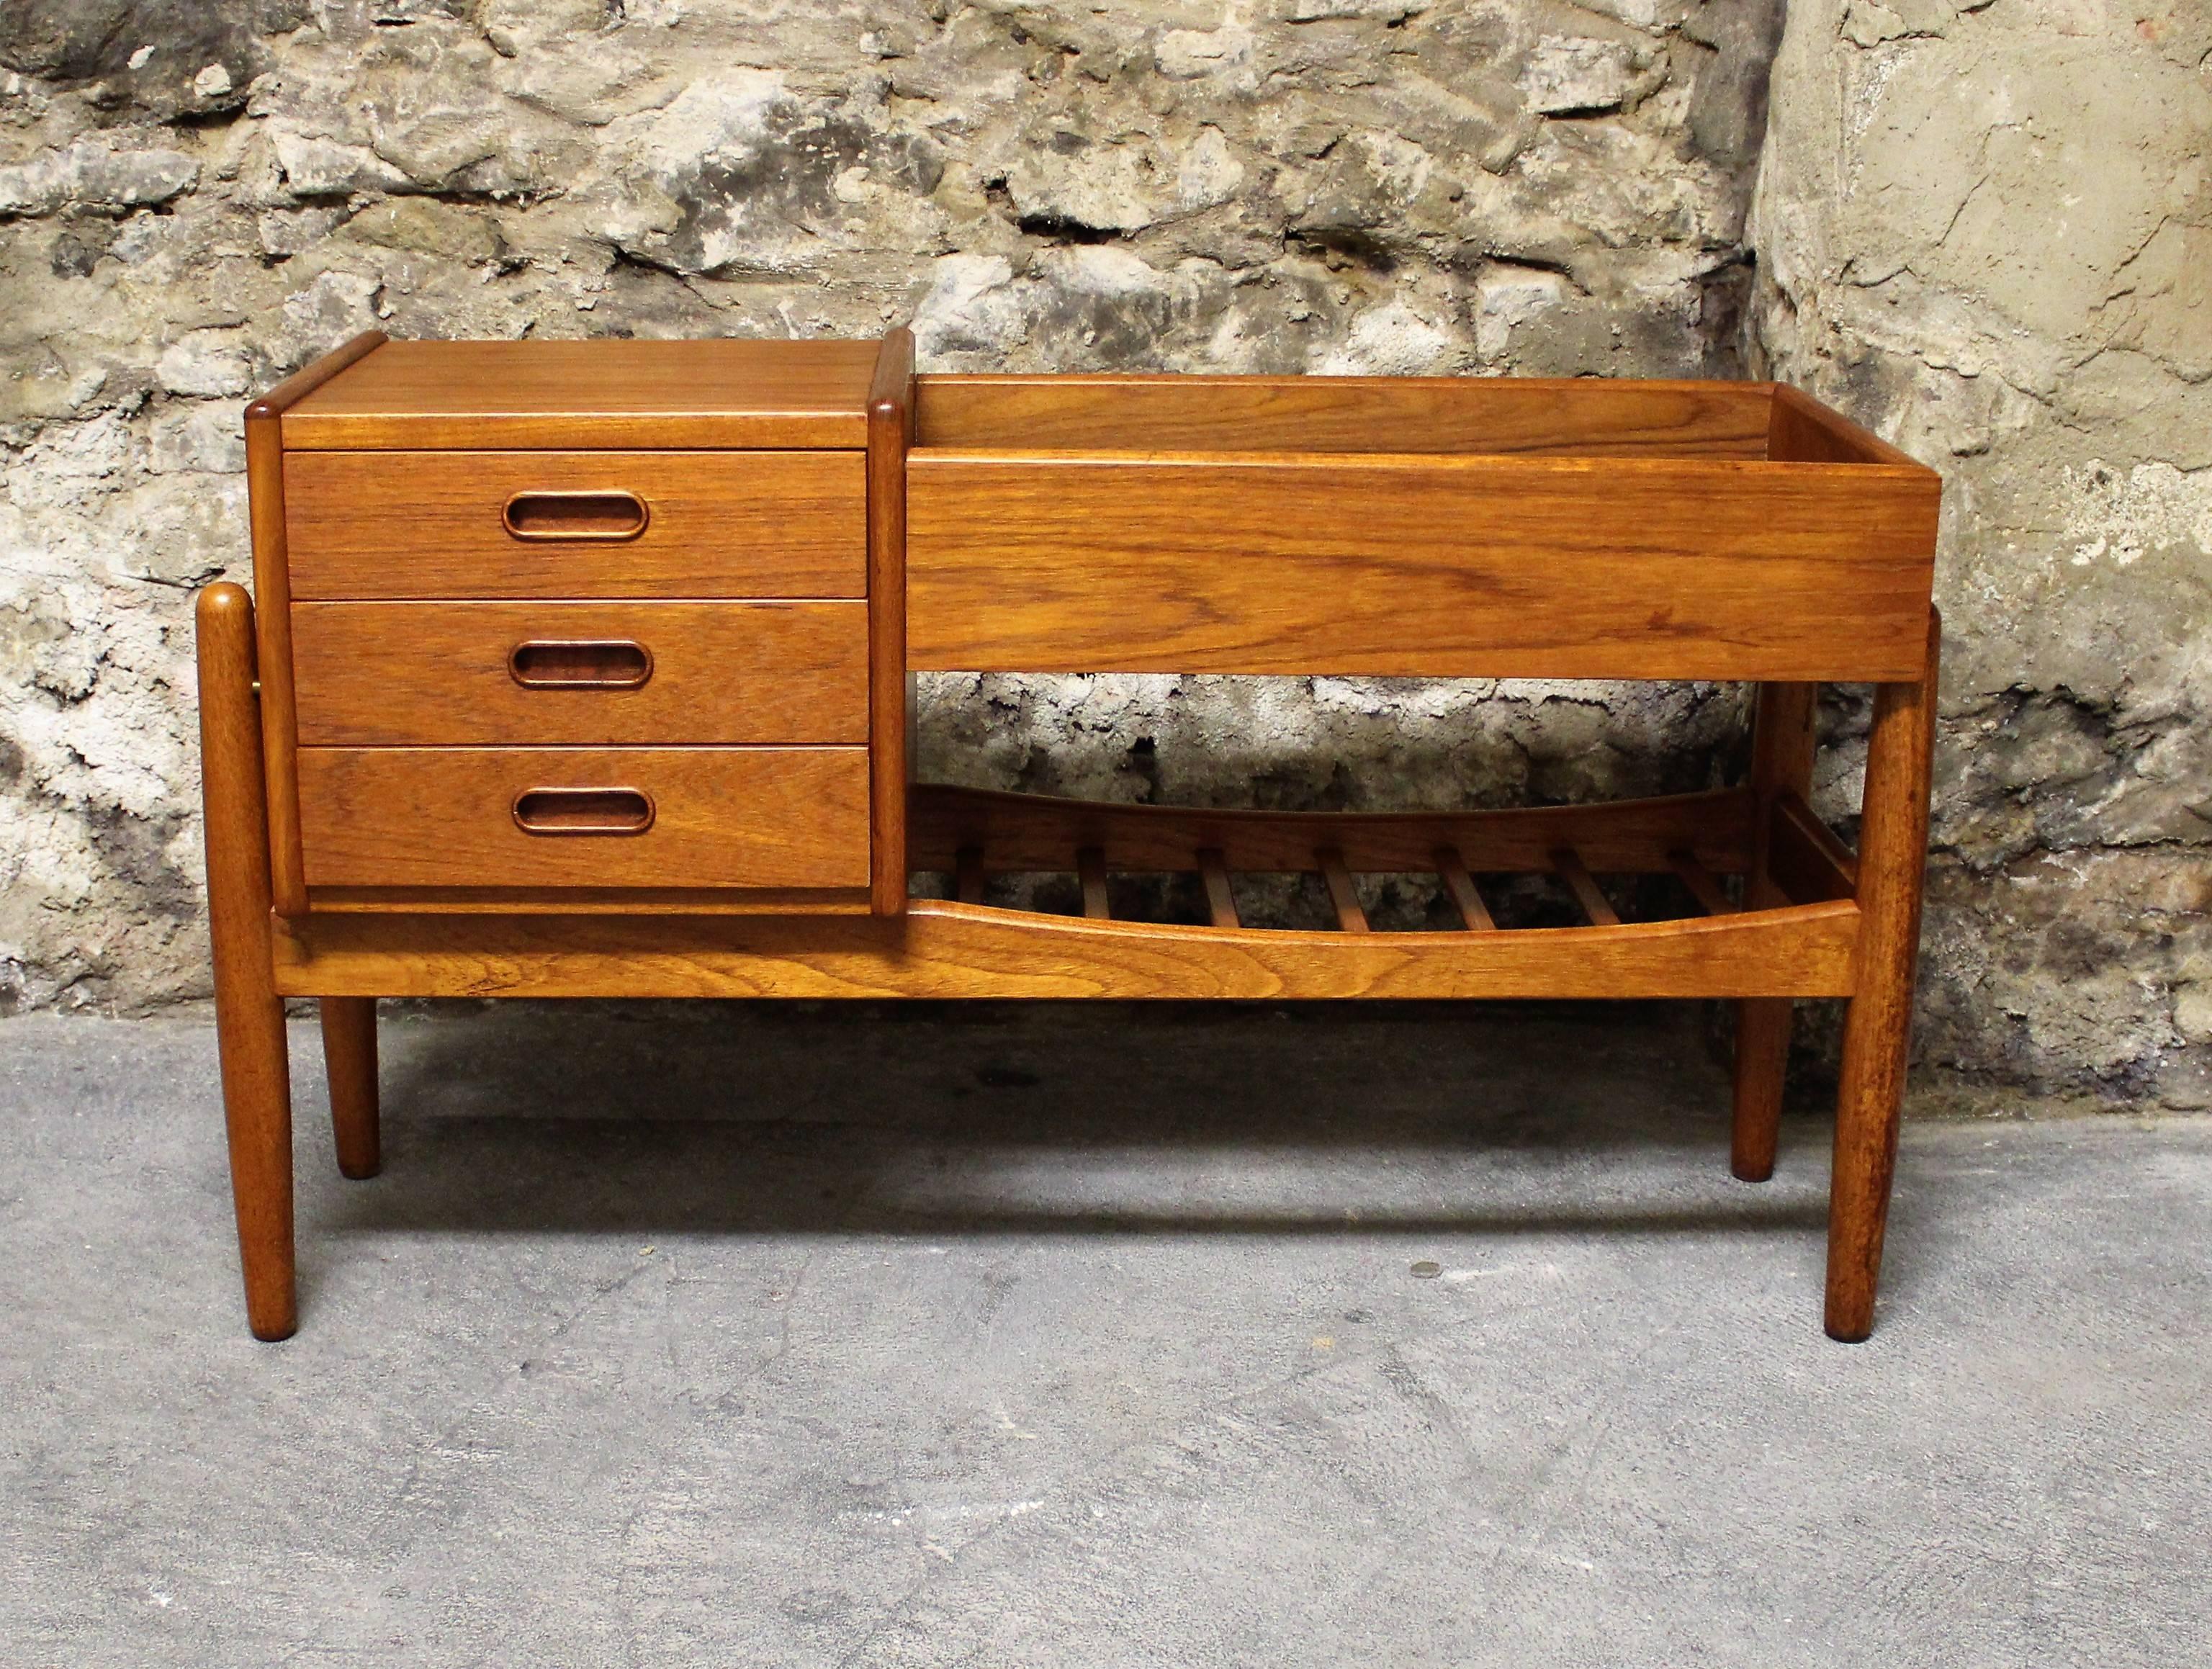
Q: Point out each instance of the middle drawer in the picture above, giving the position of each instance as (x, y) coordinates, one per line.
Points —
(430, 674)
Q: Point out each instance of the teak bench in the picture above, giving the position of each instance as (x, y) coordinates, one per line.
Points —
(582, 669)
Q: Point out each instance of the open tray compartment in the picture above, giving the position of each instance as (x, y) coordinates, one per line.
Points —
(1498, 527)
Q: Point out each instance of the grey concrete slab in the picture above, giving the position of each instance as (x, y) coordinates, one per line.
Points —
(1081, 1335)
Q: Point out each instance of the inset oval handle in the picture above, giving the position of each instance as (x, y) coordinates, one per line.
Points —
(580, 663)
(602, 513)
(583, 811)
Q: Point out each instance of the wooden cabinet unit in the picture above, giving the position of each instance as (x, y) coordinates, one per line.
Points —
(582, 669)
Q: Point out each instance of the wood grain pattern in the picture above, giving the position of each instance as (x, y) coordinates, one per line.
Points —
(371, 526)
(257, 1094)
(402, 674)
(723, 818)
(941, 948)
(272, 585)
(614, 394)
(350, 1067)
(1878, 1028)
(1584, 416)
(1389, 564)
(1017, 833)
(891, 698)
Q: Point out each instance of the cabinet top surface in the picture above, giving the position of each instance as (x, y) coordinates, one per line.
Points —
(591, 393)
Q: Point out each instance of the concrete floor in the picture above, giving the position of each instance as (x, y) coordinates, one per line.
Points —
(1085, 1336)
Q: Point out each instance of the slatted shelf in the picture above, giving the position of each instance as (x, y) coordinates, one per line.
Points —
(1700, 840)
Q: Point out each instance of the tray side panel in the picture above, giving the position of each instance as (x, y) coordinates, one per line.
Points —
(1408, 565)
(1584, 416)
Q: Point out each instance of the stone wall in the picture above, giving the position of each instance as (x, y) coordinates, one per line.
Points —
(194, 198)
(1985, 229)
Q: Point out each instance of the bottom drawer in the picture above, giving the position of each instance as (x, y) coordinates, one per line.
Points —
(511, 817)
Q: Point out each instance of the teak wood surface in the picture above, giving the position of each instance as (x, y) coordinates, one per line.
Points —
(432, 674)
(890, 685)
(1396, 564)
(942, 949)
(272, 586)
(548, 632)
(1581, 416)
(599, 394)
(720, 817)
(719, 523)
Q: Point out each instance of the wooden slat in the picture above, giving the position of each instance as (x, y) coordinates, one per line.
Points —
(1451, 870)
(968, 872)
(1704, 886)
(1220, 893)
(1343, 897)
(1575, 873)
(1807, 862)
(943, 950)
(1587, 417)
(610, 392)
(1417, 565)
(1033, 832)
(1090, 870)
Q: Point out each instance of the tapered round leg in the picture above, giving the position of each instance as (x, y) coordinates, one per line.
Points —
(1877, 1033)
(249, 1015)
(1762, 1064)
(349, 1056)
(1869, 1102)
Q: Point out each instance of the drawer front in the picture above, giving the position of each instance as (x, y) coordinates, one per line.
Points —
(422, 674)
(684, 817)
(582, 525)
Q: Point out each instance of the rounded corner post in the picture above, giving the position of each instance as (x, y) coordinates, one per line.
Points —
(1878, 1028)
(249, 1014)
(889, 434)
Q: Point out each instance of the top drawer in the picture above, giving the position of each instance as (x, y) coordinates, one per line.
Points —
(576, 525)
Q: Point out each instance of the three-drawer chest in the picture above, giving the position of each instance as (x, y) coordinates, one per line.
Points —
(584, 620)
(582, 669)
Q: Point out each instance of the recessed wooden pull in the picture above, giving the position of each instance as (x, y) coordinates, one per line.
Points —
(601, 514)
(593, 664)
(583, 811)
